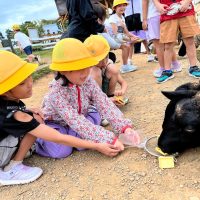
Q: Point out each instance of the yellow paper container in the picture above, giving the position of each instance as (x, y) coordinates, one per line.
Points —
(166, 162)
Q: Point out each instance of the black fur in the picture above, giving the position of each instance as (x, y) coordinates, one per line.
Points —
(181, 126)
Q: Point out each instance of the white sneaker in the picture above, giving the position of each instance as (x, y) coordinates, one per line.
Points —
(20, 174)
(158, 72)
(176, 68)
(150, 58)
(128, 68)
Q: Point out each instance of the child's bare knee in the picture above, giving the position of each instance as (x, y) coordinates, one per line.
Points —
(169, 46)
(112, 71)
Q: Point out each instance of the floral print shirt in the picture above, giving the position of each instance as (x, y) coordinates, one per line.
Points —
(68, 106)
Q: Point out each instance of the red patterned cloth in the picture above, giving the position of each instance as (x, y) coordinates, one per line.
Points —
(177, 15)
(62, 106)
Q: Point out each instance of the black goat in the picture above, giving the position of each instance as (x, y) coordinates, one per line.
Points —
(181, 126)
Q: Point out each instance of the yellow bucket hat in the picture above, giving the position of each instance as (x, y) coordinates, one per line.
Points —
(98, 46)
(13, 70)
(118, 2)
(15, 27)
(71, 54)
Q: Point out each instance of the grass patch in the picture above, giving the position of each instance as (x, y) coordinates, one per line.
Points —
(40, 73)
(42, 54)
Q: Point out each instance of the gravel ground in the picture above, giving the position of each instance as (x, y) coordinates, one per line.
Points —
(132, 175)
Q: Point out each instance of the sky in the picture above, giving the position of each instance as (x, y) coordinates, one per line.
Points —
(19, 11)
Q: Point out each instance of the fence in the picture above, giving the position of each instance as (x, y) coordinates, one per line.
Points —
(47, 42)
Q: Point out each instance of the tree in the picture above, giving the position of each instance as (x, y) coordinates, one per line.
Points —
(1, 36)
(34, 24)
(9, 34)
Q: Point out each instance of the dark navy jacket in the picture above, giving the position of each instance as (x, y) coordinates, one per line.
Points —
(82, 20)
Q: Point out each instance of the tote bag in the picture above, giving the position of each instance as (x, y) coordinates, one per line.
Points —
(133, 22)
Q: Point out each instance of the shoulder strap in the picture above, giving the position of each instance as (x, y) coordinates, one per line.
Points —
(132, 6)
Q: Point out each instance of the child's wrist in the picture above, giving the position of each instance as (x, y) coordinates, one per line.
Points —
(127, 130)
(114, 140)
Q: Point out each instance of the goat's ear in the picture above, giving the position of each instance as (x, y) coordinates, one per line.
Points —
(179, 94)
(189, 86)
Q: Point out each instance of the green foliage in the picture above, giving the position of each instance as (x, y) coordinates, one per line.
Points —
(1, 36)
(9, 33)
(34, 24)
(50, 21)
(62, 25)
(40, 73)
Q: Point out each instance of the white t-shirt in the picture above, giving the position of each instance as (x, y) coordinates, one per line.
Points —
(22, 39)
(152, 10)
(108, 26)
(115, 19)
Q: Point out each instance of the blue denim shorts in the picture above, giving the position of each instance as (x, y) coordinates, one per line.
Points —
(28, 50)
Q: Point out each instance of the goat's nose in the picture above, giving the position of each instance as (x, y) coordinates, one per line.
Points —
(189, 129)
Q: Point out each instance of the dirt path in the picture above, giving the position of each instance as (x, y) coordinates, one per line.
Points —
(132, 175)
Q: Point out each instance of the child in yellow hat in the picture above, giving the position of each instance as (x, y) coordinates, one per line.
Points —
(121, 34)
(105, 72)
(19, 126)
(68, 103)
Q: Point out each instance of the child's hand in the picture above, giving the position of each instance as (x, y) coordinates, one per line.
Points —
(162, 8)
(184, 6)
(135, 39)
(144, 25)
(107, 149)
(119, 145)
(119, 93)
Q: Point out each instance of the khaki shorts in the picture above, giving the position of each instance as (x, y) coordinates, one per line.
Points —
(187, 26)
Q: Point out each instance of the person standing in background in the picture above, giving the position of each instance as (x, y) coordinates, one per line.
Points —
(135, 6)
(82, 20)
(151, 23)
(24, 43)
(177, 17)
